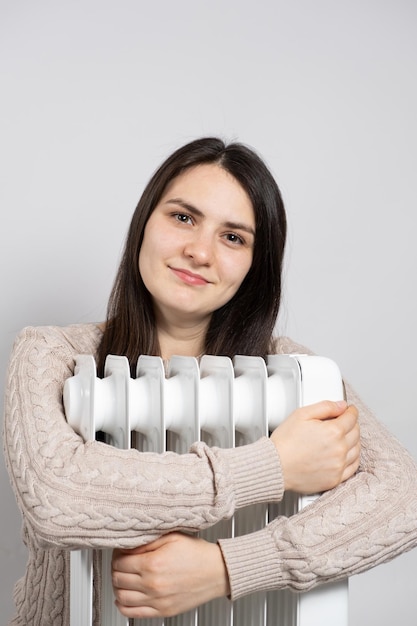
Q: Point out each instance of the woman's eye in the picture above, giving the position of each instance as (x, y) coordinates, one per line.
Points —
(183, 218)
(233, 238)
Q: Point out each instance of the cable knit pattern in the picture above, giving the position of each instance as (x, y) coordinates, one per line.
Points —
(74, 494)
(368, 520)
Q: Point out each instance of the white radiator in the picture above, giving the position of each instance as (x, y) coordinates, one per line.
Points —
(225, 403)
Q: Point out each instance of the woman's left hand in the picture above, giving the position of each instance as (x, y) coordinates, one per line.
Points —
(171, 575)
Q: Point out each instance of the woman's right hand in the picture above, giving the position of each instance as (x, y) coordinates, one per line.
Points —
(319, 446)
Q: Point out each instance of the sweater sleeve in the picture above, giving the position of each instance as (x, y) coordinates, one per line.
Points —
(368, 520)
(74, 493)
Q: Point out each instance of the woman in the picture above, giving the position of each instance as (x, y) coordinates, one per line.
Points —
(201, 273)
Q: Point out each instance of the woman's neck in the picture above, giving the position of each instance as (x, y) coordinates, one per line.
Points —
(189, 341)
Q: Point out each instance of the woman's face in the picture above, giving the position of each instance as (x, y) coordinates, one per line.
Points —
(198, 244)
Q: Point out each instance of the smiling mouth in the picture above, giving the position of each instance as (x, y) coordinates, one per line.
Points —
(188, 277)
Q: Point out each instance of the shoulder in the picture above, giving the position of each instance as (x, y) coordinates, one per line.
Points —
(286, 345)
(59, 340)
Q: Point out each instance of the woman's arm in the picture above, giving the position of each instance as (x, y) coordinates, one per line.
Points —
(366, 521)
(369, 519)
(78, 494)
(177, 572)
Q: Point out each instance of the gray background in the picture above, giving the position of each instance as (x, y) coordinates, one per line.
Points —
(94, 94)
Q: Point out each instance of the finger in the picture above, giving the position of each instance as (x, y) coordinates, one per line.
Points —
(130, 582)
(349, 419)
(130, 598)
(146, 547)
(128, 563)
(151, 546)
(353, 454)
(352, 460)
(353, 436)
(139, 612)
(350, 432)
(326, 409)
(350, 469)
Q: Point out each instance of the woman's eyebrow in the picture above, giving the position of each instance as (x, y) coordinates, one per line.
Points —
(186, 205)
(193, 209)
(240, 226)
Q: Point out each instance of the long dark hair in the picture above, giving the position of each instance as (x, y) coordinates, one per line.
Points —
(245, 324)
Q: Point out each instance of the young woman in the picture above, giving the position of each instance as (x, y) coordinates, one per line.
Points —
(201, 273)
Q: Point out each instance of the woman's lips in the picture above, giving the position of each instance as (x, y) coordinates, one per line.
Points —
(188, 277)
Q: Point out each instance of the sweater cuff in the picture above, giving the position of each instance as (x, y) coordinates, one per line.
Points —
(252, 563)
(255, 473)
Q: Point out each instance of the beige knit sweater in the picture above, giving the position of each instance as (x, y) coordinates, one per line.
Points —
(74, 494)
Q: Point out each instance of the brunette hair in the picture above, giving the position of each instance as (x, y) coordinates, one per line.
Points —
(245, 324)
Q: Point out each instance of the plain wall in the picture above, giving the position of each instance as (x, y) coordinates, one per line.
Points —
(94, 94)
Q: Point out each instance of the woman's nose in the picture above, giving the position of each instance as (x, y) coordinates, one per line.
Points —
(200, 248)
